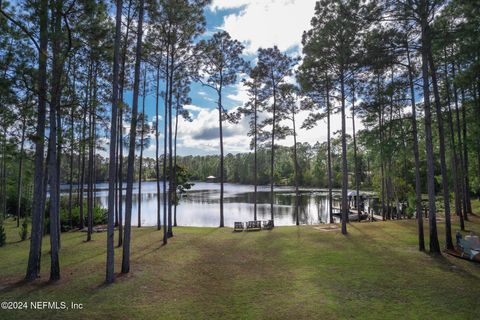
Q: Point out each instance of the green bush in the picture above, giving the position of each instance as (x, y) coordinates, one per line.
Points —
(99, 217)
(12, 205)
(412, 205)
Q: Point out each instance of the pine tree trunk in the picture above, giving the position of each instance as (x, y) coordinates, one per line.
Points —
(57, 70)
(222, 170)
(462, 182)
(38, 211)
(70, 189)
(175, 165)
(4, 175)
(120, 124)
(83, 142)
(131, 153)
(329, 157)
(59, 159)
(157, 145)
(272, 156)
(418, 183)
(456, 173)
(20, 173)
(357, 180)
(90, 171)
(255, 165)
(140, 169)
(170, 147)
(295, 165)
(165, 136)
(344, 158)
(443, 162)
(110, 265)
(432, 211)
(468, 208)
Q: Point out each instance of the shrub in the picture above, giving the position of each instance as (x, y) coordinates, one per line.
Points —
(12, 205)
(99, 217)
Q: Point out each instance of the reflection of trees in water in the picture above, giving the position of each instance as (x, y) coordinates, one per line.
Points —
(312, 206)
(144, 197)
(303, 209)
(321, 205)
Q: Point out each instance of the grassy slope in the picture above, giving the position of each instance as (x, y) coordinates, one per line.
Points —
(375, 272)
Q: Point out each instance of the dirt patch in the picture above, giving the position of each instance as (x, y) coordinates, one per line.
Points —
(328, 227)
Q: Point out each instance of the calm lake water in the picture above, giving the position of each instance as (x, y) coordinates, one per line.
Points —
(200, 206)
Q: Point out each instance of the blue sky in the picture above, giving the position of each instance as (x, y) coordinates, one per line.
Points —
(256, 23)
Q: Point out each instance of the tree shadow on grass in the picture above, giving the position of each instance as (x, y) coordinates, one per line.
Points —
(439, 259)
(32, 287)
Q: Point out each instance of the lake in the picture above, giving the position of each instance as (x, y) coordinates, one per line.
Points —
(200, 206)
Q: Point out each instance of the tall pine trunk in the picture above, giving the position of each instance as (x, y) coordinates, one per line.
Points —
(72, 148)
(272, 154)
(110, 264)
(443, 162)
(120, 125)
(170, 145)
(463, 171)
(344, 158)
(140, 169)
(165, 136)
(90, 167)
(255, 164)
(131, 153)
(357, 179)
(329, 155)
(175, 164)
(38, 211)
(468, 208)
(83, 142)
(157, 144)
(418, 183)
(20, 172)
(222, 170)
(456, 168)
(432, 211)
(295, 165)
(57, 71)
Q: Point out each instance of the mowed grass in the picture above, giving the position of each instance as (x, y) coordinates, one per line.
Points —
(375, 272)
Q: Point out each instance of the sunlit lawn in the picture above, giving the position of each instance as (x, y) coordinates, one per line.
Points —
(302, 272)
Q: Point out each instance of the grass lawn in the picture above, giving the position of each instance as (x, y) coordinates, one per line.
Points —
(302, 272)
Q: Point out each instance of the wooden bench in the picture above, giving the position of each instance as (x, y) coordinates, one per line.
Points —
(238, 226)
(254, 225)
(268, 225)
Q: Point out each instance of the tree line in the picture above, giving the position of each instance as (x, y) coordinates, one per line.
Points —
(407, 69)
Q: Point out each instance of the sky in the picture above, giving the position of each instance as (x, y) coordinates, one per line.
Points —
(255, 23)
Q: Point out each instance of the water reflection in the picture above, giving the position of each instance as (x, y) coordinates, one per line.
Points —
(200, 207)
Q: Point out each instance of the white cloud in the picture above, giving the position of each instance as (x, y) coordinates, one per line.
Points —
(263, 23)
(227, 4)
(319, 132)
(203, 133)
(193, 108)
(240, 95)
